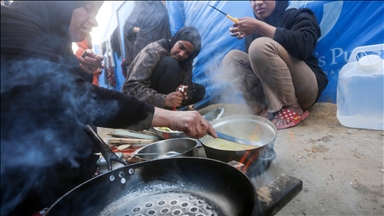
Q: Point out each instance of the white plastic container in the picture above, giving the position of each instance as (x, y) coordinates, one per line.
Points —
(360, 90)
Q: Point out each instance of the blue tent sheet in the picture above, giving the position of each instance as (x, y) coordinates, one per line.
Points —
(122, 13)
(345, 25)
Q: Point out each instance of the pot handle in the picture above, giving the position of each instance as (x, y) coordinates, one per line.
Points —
(107, 153)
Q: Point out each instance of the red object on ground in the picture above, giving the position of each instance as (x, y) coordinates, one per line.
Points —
(287, 114)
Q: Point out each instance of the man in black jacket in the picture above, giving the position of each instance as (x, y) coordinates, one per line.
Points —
(279, 76)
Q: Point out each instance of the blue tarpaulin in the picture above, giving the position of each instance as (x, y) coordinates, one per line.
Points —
(344, 25)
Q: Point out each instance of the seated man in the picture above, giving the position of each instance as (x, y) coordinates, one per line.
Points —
(280, 76)
(161, 74)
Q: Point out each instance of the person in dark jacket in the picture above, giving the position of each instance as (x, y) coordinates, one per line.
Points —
(148, 22)
(163, 67)
(46, 104)
(280, 78)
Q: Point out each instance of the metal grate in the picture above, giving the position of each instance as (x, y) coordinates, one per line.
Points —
(165, 203)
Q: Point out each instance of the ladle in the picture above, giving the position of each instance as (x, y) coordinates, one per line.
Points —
(238, 140)
(216, 114)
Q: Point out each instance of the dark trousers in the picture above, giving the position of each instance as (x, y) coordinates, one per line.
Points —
(166, 78)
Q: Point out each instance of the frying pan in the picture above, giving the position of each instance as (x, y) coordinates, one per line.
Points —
(172, 186)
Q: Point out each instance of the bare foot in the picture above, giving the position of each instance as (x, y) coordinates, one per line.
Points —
(294, 108)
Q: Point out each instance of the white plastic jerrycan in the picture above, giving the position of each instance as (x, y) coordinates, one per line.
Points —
(360, 89)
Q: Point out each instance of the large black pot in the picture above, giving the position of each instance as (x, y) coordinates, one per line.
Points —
(172, 186)
(256, 158)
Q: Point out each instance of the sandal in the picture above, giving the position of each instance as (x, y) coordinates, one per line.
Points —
(287, 114)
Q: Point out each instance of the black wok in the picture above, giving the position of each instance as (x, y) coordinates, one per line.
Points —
(172, 186)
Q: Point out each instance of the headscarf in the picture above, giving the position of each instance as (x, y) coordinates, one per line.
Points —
(187, 33)
(272, 20)
(39, 29)
(39, 104)
(279, 10)
(190, 34)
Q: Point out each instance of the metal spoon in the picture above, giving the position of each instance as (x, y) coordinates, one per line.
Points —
(216, 114)
(237, 140)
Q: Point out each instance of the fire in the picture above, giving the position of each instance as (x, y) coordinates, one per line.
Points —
(254, 132)
(249, 162)
(253, 157)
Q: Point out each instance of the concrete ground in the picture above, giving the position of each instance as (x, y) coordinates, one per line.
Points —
(341, 168)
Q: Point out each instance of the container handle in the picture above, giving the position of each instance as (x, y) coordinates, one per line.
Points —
(364, 49)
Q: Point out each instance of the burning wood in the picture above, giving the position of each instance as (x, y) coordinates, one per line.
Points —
(237, 165)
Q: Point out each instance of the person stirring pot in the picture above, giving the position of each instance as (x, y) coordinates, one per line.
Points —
(46, 102)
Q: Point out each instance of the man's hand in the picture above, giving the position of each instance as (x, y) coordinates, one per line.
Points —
(190, 122)
(175, 99)
(89, 62)
(249, 25)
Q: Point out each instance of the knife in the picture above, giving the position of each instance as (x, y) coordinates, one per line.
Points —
(237, 140)
(229, 17)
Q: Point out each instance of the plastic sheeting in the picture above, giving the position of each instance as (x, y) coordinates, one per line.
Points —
(344, 24)
(121, 11)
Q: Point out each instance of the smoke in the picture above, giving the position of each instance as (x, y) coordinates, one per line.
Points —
(235, 84)
(226, 84)
(43, 111)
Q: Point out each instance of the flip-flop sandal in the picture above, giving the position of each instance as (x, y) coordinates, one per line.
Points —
(287, 114)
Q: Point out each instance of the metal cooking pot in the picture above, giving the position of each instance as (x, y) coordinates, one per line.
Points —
(178, 146)
(172, 186)
(244, 126)
(168, 134)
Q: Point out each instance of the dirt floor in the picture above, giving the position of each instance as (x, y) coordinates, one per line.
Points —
(341, 168)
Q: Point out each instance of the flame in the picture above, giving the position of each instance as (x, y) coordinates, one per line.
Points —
(254, 132)
(248, 164)
(244, 157)
(253, 157)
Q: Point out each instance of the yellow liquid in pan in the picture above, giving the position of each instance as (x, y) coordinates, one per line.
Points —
(228, 145)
